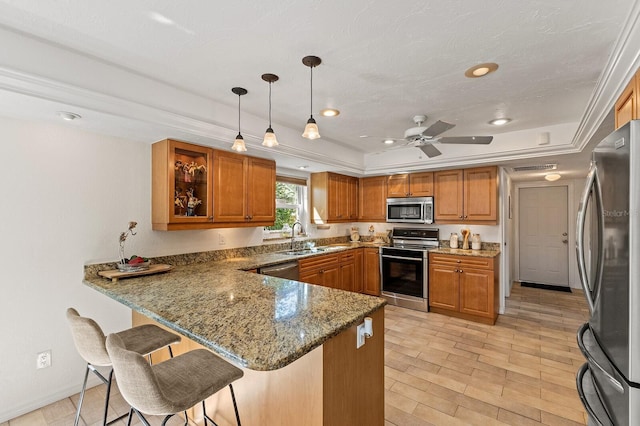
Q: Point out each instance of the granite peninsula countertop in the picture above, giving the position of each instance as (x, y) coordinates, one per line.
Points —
(259, 322)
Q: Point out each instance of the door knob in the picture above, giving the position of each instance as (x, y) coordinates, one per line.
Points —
(565, 241)
(564, 234)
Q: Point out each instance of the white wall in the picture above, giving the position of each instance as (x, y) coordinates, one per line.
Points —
(68, 195)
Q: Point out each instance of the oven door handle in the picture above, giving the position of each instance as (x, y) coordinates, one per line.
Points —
(417, 259)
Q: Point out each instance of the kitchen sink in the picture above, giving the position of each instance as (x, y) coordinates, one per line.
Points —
(303, 251)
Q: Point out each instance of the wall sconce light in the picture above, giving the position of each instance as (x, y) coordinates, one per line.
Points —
(238, 144)
(311, 129)
(270, 137)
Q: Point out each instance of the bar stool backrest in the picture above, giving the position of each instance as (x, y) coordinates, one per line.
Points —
(137, 382)
(88, 338)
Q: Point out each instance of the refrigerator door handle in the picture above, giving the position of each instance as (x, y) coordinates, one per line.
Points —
(592, 187)
(593, 415)
(593, 362)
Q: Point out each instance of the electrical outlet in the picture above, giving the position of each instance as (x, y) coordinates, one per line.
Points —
(43, 359)
(221, 240)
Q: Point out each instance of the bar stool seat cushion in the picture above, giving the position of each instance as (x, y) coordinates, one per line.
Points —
(90, 340)
(173, 385)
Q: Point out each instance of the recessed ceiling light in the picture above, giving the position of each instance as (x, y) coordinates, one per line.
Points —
(481, 70)
(500, 121)
(68, 115)
(329, 112)
(552, 177)
(363, 136)
(388, 141)
(303, 167)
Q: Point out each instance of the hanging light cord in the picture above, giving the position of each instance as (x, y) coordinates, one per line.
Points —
(311, 112)
(239, 114)
(269, 104)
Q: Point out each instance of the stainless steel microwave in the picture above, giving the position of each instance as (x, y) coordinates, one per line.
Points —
(410, 210)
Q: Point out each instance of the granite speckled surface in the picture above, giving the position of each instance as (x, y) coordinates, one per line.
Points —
(259, 322)
(460, 252)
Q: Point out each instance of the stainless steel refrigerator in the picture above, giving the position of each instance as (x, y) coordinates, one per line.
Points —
(608, 251)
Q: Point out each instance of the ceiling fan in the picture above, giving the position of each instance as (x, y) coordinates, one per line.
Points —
(424, 137)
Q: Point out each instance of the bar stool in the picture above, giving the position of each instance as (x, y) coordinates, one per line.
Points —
(90, 343)
(172, 386)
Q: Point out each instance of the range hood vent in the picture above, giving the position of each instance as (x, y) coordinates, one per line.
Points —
(535, 167)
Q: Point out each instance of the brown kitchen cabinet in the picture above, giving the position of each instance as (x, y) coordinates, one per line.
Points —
(358, 262)
(182, 185)
(464, 286)
(243, 189)
(626, 107)
(343, 270)
(410, 185)
(466, 196)
(372, 199)
(322, 270)
(333, 198)
(195, 187)
(348, 270)
(371, 271)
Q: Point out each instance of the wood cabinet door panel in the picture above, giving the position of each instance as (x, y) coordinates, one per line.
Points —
(398, 185)
(371, 279)
(331, 277)
(448, 195)
(311, 277)
(261, 182)
(444, 288)
(348, 276)
(358, 262)
(230, 187)
(421, 184)
(372, 199)
(480, 201)
(476, 292)
(627, 104)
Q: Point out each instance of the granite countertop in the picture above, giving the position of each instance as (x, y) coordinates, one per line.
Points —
(258, 322)
(460, 252)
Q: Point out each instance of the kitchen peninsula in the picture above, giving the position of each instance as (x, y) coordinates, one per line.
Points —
(296, 342)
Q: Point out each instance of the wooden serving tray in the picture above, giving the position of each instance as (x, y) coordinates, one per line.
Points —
(115, 274)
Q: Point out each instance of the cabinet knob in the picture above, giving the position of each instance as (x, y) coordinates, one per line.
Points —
(250, 217)
(455, 270)
(465, 216)
(458, 261)
(246, 217)
(210, 218)
(459, 217)
(461, 271)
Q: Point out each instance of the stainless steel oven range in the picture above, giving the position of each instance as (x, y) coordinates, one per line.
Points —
(404, 267)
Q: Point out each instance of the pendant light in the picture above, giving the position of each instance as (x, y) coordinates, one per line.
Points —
(270, 137)
(238, 144)
(311, 129)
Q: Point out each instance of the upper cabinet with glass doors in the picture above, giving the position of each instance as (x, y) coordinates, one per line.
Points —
(191, 190)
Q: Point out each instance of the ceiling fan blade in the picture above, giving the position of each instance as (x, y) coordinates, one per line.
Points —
(478, 140)
(437, 128)
(430, 150)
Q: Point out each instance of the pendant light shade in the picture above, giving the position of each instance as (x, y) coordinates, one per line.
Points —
(238, 144)
(269, 136)
(311, 129)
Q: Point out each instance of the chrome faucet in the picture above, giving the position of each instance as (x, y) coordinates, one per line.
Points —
(293, 232)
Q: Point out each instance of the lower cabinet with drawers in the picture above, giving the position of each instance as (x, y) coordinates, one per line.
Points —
(464, 286)
(349, 270)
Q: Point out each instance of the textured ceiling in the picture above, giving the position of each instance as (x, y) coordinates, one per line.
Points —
(383, 61)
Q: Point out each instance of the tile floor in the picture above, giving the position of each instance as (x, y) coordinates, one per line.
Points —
(446, 371)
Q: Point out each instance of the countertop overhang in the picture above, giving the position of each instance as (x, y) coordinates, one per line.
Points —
(259, 322)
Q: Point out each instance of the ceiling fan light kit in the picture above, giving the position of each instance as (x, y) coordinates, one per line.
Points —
(270, 140)
(238, 144)
(311, 129)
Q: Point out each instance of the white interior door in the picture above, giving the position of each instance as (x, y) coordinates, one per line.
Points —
(543, 235)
